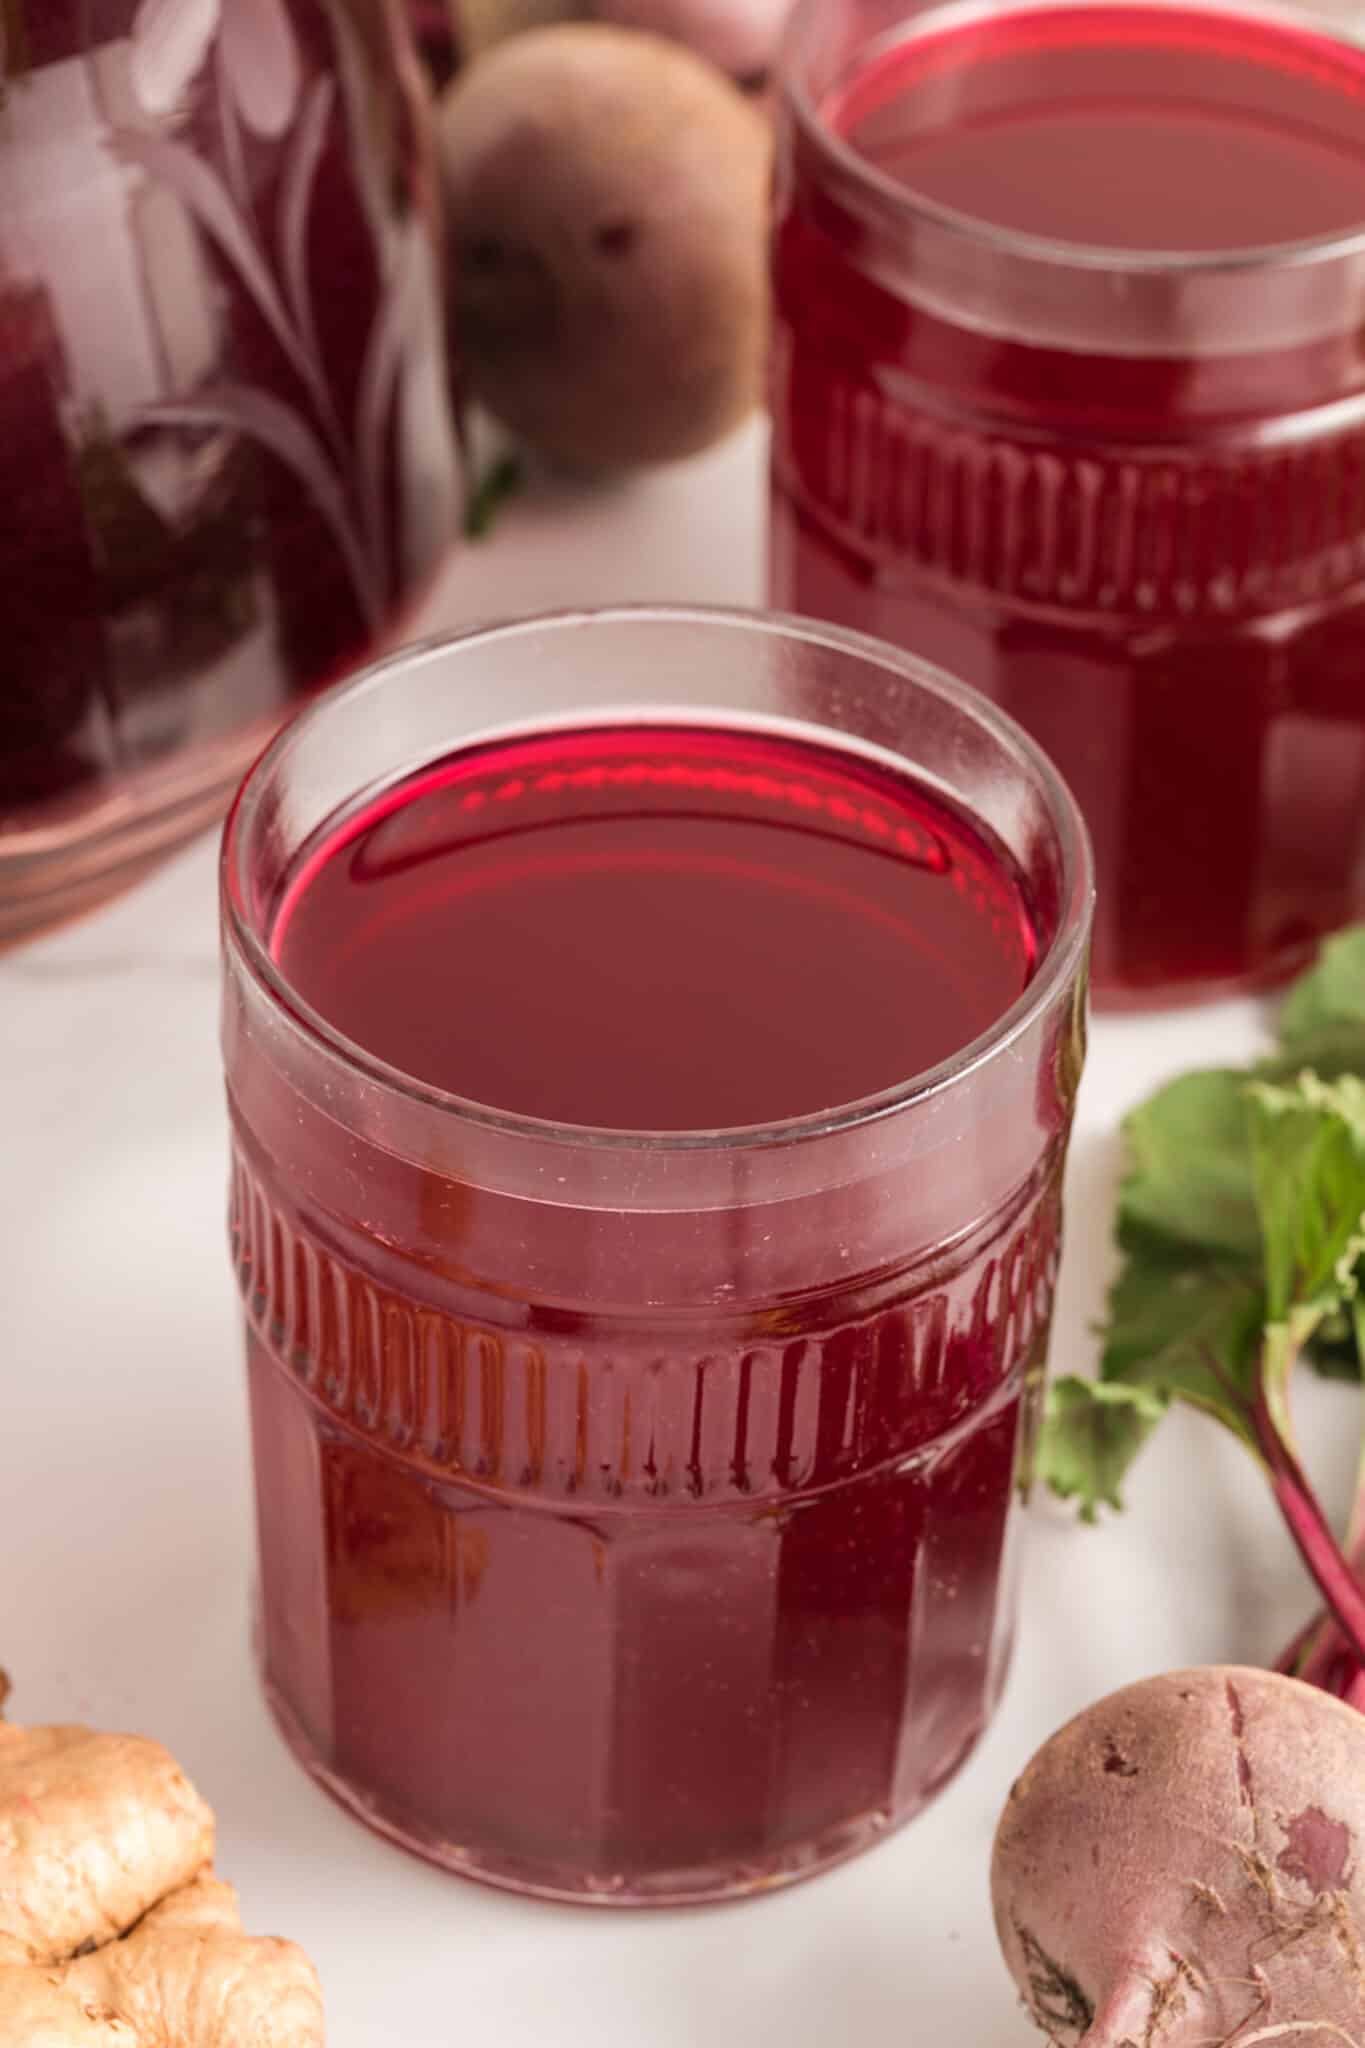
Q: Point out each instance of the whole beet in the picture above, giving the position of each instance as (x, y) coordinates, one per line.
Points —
(481, 23)
(1183, 1866)
(741, 36)
(606, 196)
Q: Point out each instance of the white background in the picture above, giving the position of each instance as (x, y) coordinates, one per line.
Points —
(125, 1502)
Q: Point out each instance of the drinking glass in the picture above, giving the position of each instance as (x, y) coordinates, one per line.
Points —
(1069, 397)
(636, 1506)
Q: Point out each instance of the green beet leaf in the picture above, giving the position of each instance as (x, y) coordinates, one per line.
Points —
(1322, 1021)
(500, 483)
(1188, 1330)
(1093, 1430)
(1177, 1329)
(1189, 1181)
(1241, 1222)
(1308, 1149)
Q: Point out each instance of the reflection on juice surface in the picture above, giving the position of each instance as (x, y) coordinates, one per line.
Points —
(1140, 529)
(658, 1553)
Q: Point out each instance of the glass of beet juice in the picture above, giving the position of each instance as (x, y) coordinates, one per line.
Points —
(651, 1043)
(1070, 398)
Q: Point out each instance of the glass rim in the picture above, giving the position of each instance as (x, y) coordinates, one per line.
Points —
(1057, 966)
(1046, 250)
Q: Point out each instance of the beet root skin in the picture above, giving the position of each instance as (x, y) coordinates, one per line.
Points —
(1183, 1866)
(606, 211)
(741, 36)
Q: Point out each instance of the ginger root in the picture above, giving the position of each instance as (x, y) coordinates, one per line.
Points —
(114, 1933)
(94, 1829)
(186, 1977)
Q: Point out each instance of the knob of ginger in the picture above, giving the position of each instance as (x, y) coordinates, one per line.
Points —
(113, 1931)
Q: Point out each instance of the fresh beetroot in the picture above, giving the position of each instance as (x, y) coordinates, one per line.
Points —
(1183, 1866)
(606, 196)
(741, 36)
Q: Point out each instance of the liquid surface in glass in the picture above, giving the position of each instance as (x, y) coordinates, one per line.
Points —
(658, 929)
(1121, 128)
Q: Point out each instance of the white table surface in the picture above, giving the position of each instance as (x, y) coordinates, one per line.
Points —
(125, 1533)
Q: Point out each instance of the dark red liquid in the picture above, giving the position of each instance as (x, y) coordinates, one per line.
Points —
(226, 465)
(674, 930)
(1155, 560)
(139, 632)
(645, 1551)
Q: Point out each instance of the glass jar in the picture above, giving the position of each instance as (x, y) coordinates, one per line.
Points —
(227, 459)
(636, 1508)
(1070, 397)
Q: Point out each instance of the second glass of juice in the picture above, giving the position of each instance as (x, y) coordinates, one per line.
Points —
(1070, 397)
(651, 1045)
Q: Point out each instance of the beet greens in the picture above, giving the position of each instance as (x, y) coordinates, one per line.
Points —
(1241, 1225)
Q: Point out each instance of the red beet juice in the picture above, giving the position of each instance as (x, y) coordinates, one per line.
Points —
(639, 1398)
(661, 930)
(1068, 398)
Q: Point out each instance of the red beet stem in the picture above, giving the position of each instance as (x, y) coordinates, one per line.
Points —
(1334, 1572)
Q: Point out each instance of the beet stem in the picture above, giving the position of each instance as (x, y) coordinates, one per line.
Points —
(1312, 1533)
